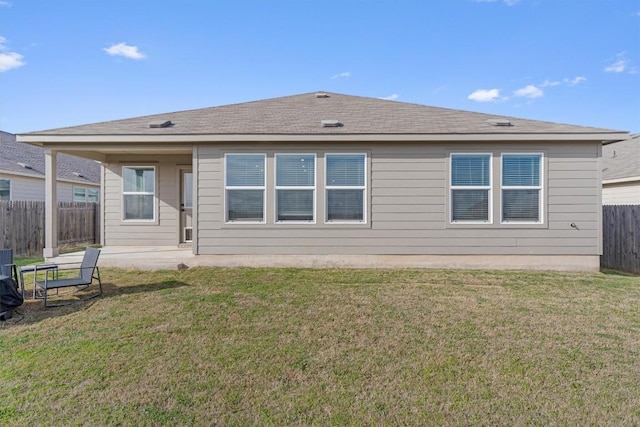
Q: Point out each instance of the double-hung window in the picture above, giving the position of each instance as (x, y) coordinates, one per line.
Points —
(470, 188)
(345, 187)
(139, 193)
(245, 187)
(522, 188)
(295, 187)
(5, 189)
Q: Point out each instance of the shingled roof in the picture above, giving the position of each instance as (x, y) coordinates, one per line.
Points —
(302, 115)
(26, 159)
(621, 159)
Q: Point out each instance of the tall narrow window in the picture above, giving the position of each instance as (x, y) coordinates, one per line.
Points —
(346, 187)
(5, 189)
(295, 187)
(471, 188)
(521, 188)
(245, 187)
(139, 193)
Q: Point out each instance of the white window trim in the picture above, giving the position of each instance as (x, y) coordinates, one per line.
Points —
(10, 187)
(286, 187)
(489, 187)
(236, 187)
(154, 194)
(365, 202)
(539, 187)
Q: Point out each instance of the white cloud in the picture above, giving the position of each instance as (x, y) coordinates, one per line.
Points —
(391, 97)
(529, 91)
(344, 75)
(566, 82)
(9, 60)
(5, 3)
(576, 80)
(485, 95)
(617, 67)
(548, 83)
(123, 49)
(620, 65)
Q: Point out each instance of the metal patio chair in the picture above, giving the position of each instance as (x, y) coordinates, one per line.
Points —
(61, 278)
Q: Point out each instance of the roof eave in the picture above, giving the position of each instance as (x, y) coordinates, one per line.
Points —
(44, 139)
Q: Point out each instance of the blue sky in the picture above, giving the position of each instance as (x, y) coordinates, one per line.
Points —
(71, 62)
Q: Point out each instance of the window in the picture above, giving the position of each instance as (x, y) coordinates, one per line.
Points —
(295, 187)
(5, 189)
(138, 193)
(521, 188)
(471, 188)
(93, 195)
(245, 187)
(345, 187)
(81, 194)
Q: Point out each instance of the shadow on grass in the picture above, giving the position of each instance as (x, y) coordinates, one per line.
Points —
(33, 310)
(611, 272)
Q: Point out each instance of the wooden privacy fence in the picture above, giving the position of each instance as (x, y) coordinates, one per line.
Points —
(22, 225)
(621, 234)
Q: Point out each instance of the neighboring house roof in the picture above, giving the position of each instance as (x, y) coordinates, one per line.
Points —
(621, 160)
(14, 156)
(302, 115)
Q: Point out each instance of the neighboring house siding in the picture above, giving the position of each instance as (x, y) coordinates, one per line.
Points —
(26, 188)
(624, 193)
(164, 230)
(408, 209)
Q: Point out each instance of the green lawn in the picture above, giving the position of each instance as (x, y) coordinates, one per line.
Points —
(329, 347)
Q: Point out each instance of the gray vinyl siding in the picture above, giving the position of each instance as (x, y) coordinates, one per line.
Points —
(408, 205)
(164, 231)
(623, 193)
(26, 188)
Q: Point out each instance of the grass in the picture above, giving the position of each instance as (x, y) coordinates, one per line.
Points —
(329, 347)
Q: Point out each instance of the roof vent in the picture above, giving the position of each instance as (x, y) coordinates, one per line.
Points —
(499, 122)
(160, 124)
(78, 174)
(322, 95)
(25, 165)
(330, 123)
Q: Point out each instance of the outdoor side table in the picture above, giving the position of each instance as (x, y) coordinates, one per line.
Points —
(32, 269)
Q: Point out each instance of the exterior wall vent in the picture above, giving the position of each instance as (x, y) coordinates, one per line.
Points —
(499, 122)
(322, 95)
(160, 124)
(330, 123)
(25, 165)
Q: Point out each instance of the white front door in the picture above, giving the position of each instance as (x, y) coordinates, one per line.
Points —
(186, 205)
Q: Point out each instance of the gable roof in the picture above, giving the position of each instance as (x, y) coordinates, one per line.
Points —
(621, 159)
(302, 115)
(12, 153)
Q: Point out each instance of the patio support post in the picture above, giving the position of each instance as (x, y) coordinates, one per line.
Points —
(50, 204)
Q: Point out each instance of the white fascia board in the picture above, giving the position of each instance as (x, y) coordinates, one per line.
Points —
(34, 174)
(621, 180)
(166, 140)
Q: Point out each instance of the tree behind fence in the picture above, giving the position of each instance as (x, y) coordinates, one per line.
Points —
(621, 234)
(22, 225)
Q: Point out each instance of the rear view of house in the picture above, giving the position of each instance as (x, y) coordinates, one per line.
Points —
(330, 179)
